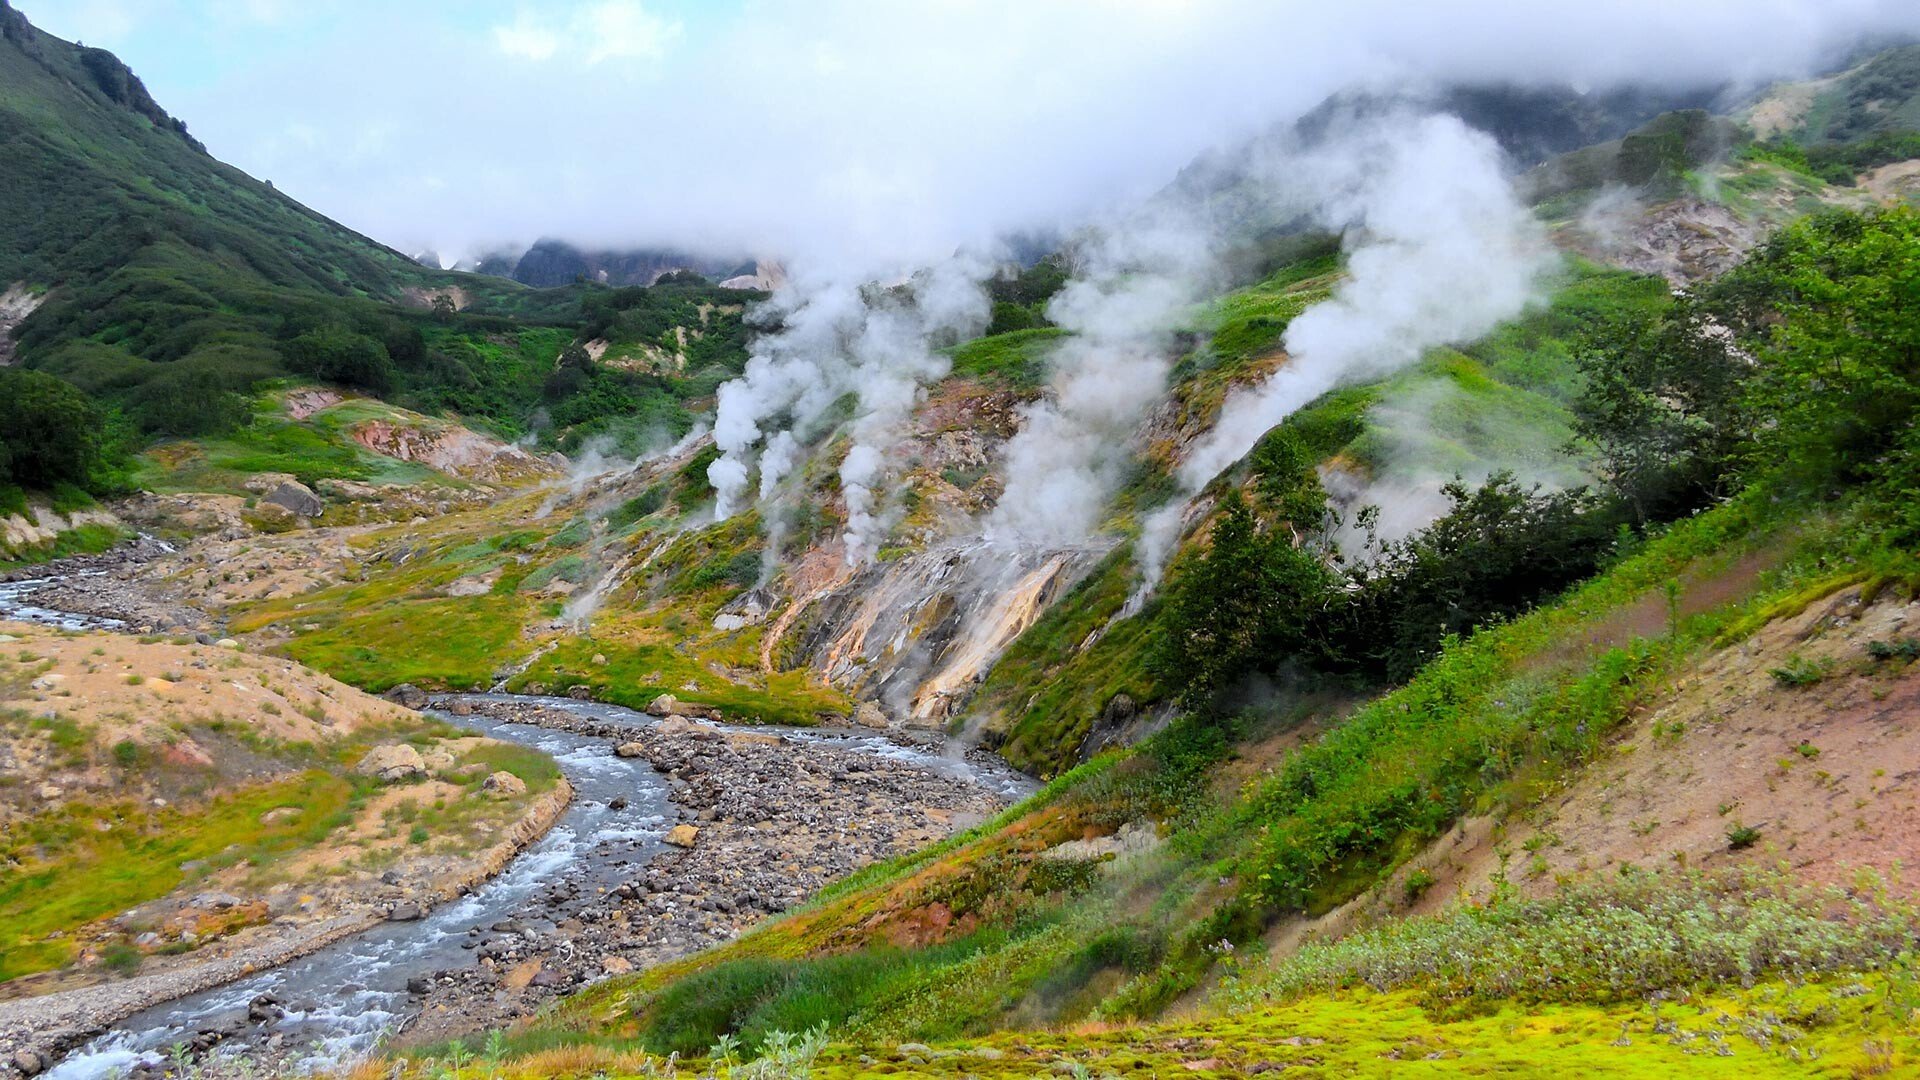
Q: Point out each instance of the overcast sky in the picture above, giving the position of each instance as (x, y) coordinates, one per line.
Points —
(837, 129)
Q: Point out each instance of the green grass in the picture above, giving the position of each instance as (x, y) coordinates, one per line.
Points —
(1535, 351)
(1017, 359)
(83, 540)
(1450, 416)
(1049, 693)
(530, 765)
(63, 872)
(454, 642)
(641, 665)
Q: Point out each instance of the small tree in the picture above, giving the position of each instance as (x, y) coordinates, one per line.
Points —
(1661, 403)
(51, 429)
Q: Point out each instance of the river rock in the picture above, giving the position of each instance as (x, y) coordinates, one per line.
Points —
(392, 763)
(408, 696)
(664, 705)
(674, 725)
(504, 785)
(296, 497)
(28, 1062)
(868, 714)
(683, 836)
(630, 750)
(460, 707)
(406, 911)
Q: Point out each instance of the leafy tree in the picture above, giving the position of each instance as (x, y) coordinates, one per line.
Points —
(337, 354)
(1661, 401)
(51, 429)
(1008, 317)
(1830, 306)
(1244, 605)
(1498, 550)
(189, 400)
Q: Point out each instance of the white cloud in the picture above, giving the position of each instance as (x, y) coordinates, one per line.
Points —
(859, 132)
(526, 38)
(593, 34)
(624, 30)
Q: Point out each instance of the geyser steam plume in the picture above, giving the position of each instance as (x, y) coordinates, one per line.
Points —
(1440, 251)
(843, 337)
(1134, 282)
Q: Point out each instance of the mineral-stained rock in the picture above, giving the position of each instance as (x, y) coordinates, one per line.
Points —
(684, 836)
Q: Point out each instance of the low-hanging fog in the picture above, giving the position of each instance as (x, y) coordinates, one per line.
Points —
(842, 130)
(882, 152)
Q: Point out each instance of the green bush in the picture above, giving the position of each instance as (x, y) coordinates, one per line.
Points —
(1607, 938)
(50, 431)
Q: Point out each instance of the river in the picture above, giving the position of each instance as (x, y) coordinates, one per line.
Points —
(340, 1000)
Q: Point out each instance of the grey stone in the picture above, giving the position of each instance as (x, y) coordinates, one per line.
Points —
(296, 497)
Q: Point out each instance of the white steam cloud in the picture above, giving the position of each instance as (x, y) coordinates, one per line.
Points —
(841, 127)
(1134, 283)
(843, 337)
(1440, 251)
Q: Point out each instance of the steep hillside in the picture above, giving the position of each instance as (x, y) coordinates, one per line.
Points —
(1652, 821)
(168, 288)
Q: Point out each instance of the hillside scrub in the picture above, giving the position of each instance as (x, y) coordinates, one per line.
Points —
(1621, 938)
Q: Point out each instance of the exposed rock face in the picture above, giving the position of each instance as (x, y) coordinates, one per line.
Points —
(392, 763)
(453, 450)
(297, 497)
(40, 525)
(1133, 838)
(16, 303)
(750, 608)
(1685, 240)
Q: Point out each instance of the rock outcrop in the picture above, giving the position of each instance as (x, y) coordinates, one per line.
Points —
(392, 763)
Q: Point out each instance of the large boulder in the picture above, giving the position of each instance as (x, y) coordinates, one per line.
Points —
(668, 705)
(408, 695)
(297, 497)
(504, 785)
(683, 836)
(392, 763)
(868, 714)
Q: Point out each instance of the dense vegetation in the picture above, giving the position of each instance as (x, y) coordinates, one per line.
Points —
(173, 286)
(1522, 669)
